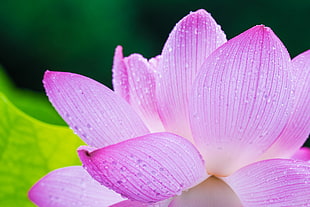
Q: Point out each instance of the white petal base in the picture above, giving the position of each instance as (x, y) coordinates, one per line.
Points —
(213, 192)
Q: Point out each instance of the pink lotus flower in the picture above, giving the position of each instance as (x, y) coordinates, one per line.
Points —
(209, 122)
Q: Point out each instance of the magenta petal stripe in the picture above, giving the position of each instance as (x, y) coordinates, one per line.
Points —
(188, 45)
(150, 168)
(241, 100)
(71, 186)
(297, 129)
(273, 183)
(93, 111)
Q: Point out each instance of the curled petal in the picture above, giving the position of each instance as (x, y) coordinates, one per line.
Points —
(297, 129)
(71, 186)
(276, 182)
(93, 111)
(302, 154)
(147, 169)
(188, 45)
(141, 84)
(241, 100)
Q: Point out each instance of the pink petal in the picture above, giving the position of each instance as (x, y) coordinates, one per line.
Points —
(141, 83)
(297, 129)
(302, 154)
(148, 169)
(241, 100)
(71, 186)
(212, 192)
(271, 183)
(188, 45)
(120, 76)
(93, 111)
(129, 203)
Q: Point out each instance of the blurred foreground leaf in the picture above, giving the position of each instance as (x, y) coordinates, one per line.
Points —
(28, 150)
(32, 103)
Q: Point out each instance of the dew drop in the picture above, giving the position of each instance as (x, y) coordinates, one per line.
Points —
(123, 169)
(89, 126)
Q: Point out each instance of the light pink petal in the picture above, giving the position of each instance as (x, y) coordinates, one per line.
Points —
(241, 100)
(154, 62)
(148, 169)
(141, 83)
(71, 186)
(93, 111)
(297, 129)
(188, 45)
(213, 192)
(120, 75)
(273, 183)
(302, 154)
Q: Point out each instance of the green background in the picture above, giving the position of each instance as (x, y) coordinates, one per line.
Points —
(80, 36)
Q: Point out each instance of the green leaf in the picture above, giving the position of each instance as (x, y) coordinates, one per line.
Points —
(32, 103)
(29, 149)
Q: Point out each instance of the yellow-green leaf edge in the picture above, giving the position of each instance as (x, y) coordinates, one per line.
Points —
(29, 149)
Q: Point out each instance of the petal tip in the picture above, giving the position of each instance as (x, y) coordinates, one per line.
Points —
(200, 13)
(31, 193)
(48, 74)
(84, 152)
(118, 51)
(35, 192)
(260, 28)
(52, 75)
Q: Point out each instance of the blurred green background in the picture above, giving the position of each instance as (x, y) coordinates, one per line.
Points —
(80, 36)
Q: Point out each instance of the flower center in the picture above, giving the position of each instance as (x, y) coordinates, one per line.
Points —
(213, 192)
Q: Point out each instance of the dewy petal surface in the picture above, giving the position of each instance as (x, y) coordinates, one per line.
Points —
(297, 129)
(148, 169)
(188, 45)
(273, 183)
(141, 83)
(241, 100)
(120, 75)
(93, 111)
(71, 186)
